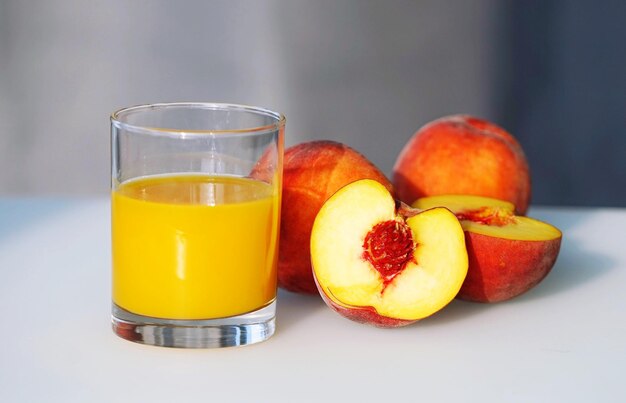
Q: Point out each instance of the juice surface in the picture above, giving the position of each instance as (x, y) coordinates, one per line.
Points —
(194, 246)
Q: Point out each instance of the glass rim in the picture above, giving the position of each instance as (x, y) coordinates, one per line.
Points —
(215, 106)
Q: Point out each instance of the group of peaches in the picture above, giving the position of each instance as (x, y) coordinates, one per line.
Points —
(451, 224)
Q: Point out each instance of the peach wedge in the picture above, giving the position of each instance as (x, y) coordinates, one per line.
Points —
(508, 254)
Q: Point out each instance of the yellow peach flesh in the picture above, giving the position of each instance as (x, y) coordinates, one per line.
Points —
(517, 227)
(349, 280)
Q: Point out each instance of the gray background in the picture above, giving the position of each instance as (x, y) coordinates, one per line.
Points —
(366, 73)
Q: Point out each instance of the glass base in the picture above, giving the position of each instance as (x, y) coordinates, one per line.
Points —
(241, 330)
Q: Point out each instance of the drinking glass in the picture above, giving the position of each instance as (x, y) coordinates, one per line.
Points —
(195, 207)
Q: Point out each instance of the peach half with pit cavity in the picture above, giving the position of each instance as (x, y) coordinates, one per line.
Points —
(381, 262)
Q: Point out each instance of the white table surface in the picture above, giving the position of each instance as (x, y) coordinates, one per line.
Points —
(563, 341)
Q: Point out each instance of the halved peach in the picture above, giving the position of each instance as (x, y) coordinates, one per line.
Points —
(508, 254)
(383, 263)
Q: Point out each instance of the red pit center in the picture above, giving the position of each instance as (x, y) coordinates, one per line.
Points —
(389, 247)
(487, 216)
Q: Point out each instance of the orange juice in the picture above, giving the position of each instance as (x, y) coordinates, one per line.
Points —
(194, 246)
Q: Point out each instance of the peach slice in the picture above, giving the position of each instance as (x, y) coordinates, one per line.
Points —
(384, 263)
(462, 154)
(508, 254)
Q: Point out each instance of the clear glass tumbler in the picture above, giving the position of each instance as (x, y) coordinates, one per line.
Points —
(195, 209)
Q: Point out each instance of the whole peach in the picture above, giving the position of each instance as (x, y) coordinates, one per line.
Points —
(312, 172)
(462, 154)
